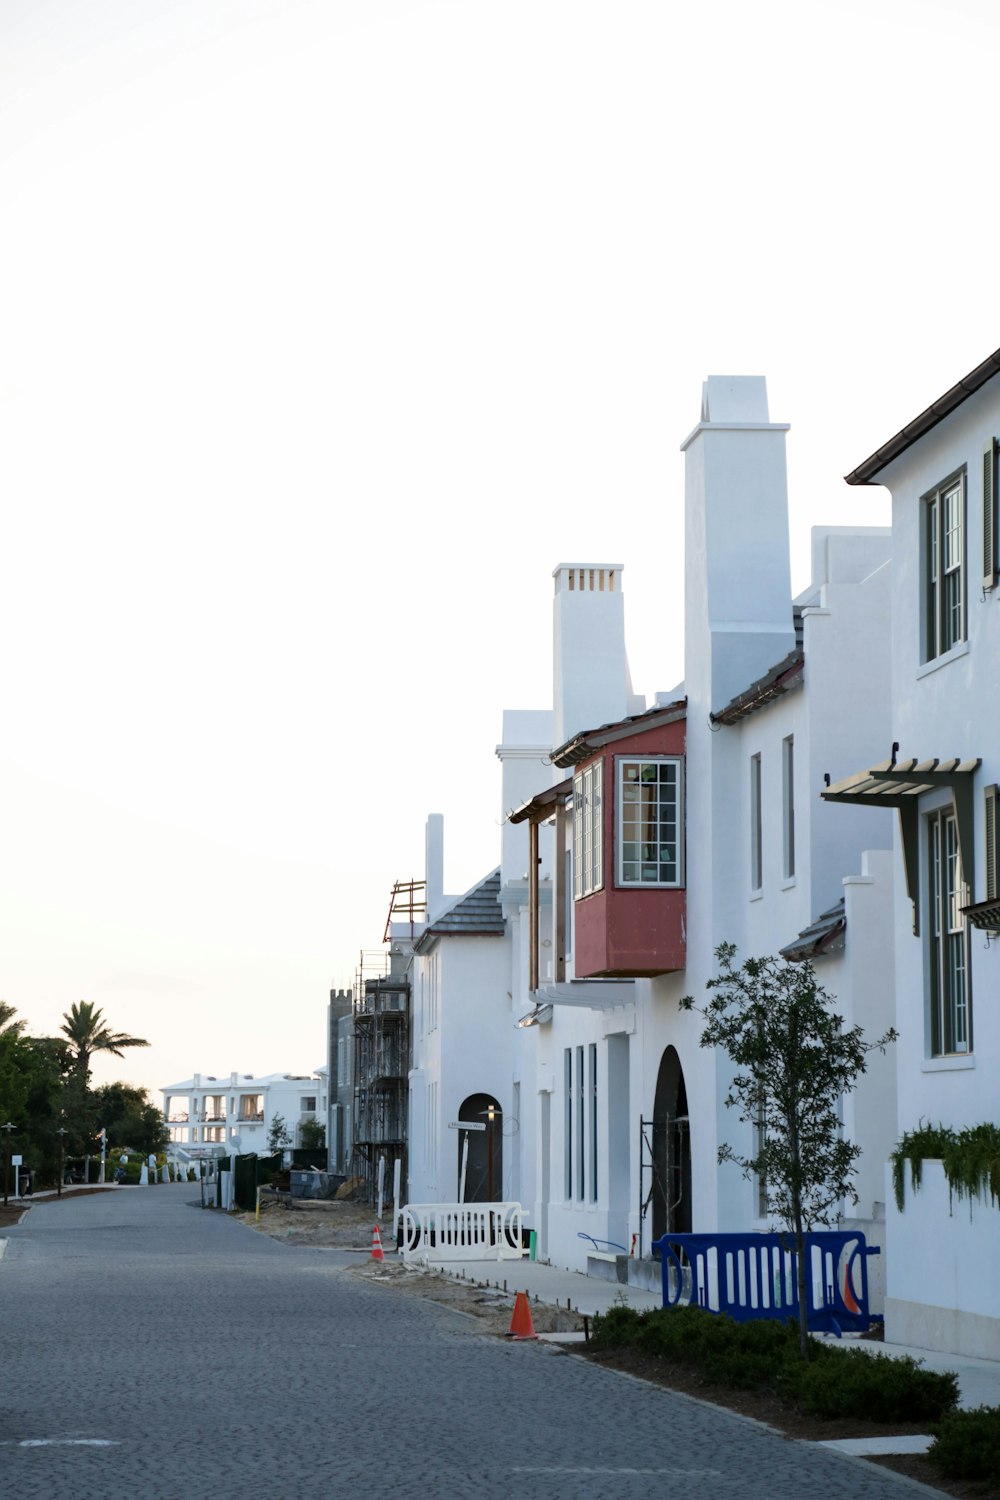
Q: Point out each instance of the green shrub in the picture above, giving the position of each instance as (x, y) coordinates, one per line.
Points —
(873, 1386)
(615, 1329)
(967, 1445)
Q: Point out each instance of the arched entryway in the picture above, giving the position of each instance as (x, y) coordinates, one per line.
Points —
(484, 1167)
(671, 1150)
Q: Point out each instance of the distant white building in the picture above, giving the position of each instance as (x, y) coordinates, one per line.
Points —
(210, 1116)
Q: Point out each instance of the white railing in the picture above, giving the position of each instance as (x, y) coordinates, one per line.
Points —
(462, 1231)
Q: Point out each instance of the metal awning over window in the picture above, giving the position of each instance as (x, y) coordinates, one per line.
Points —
(901, 784)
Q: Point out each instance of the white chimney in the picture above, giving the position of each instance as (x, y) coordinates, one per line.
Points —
(434, 863)
(738, 611)
(590, 676)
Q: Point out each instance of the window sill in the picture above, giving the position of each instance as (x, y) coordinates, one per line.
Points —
(927, 667)
(790, 883)
(948, 1064)
(757, 895)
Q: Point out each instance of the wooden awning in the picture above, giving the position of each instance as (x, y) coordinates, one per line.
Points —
(901, 784)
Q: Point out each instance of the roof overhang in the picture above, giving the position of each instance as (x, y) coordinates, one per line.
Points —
(866, 472)
(901, 784)
(985, 915)
(542, 806)
(825, 935)
(781, 679)
(582, 746)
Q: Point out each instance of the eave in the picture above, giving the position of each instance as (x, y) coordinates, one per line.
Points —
(865, 472)
(582, 746)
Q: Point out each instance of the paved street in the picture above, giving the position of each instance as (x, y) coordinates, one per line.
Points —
(154, 1351)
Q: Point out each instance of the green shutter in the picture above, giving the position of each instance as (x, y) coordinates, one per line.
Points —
(992, 799)
(990, 515)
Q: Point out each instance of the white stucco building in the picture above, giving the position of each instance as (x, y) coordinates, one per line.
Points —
(211, 1116)
(938, 774)
(641, 838)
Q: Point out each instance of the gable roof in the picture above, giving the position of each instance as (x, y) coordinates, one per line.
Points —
(865, 473)
(476, 914)
(584, 744)
(781, 678)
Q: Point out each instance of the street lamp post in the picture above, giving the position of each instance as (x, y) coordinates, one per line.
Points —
(8, 1129)
(62, 1133)
(491, 1115)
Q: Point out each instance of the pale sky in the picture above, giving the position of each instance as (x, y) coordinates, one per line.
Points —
(327, 329)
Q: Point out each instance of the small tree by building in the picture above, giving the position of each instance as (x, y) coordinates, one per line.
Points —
(312, 1135)
(278, 1136)
(794, 1061)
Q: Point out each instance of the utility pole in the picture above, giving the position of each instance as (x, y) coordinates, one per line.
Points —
(8, 1128)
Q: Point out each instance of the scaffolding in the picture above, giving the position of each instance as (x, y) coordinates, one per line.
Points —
(408, 903)
(381, 1076)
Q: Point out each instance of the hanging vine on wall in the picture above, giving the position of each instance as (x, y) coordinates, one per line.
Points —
(971, 1159)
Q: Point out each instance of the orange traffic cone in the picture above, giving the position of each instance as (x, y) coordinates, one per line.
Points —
(849, 1302)
(376, 1244)
(521, 1326)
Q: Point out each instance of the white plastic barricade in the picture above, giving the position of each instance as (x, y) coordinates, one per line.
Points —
(462, 1231)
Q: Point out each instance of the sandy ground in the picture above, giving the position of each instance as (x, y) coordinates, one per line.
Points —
(348, 1226)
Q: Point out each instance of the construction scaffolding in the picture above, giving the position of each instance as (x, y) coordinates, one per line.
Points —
(407, 902)
(381, 1077)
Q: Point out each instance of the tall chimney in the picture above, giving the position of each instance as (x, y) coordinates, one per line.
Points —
(591, 683)
(738, 611)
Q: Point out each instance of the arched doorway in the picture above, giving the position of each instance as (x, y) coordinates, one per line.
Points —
(484, 1167)
(671, 1150)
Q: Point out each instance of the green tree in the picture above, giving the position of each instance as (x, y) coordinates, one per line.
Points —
(312, 1135)
(32, 1077)
(794, 1060)
(88, 1032)
(130, 1117)
(278, 1135)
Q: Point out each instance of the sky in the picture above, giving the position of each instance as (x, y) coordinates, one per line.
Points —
(328, 328)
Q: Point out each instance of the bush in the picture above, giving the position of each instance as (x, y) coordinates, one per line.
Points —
(764, 1355)
(967, 1445)
(876, 1387)
(615, 1329)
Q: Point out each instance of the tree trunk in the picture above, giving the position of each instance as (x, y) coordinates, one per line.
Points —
(800, 1266)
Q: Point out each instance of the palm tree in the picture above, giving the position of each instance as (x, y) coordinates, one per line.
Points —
(87, 1032)
(8, 1026)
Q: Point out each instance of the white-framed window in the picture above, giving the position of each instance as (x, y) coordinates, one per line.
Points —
(650, 821)
(307, 1104)
(588, 830)
(950, 987)
(944, 568)
(788, 807)
(756, 827)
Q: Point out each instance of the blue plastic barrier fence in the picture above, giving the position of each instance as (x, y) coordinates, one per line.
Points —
(750, 1276)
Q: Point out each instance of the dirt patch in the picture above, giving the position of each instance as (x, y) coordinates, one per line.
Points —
(321, 1222)
(491, 1305)
(762, 1406)
(915, 1466)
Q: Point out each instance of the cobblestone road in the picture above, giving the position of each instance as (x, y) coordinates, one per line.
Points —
(153, 1351)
